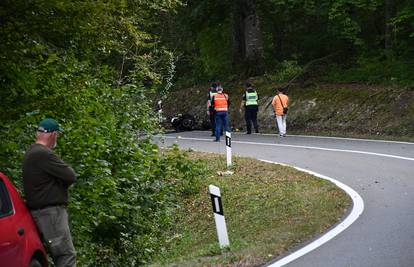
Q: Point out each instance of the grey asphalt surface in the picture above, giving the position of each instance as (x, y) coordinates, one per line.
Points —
(383, 236)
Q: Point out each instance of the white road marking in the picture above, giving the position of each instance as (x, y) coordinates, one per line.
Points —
(357, 209)
(339, 138)
(346, 138)
(304, 147)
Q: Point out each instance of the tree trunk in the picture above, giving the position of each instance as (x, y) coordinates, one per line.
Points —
(277, 37)
(248, 44)
(389, 13)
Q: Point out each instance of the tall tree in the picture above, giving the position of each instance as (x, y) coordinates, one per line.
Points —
(389, 14)
(247, 37)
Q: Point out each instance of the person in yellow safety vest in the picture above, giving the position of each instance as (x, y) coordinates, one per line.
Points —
(280, 107)
(250, 106)
(210, 109)
(220, 102)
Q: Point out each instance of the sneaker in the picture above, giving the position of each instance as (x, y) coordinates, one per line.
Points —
(248, 133)
(280, 135)
(216, 140)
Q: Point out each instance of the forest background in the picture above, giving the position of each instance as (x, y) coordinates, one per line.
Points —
(96, 66)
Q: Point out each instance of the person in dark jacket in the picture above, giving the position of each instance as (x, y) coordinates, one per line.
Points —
(46, 179)
(210, 109)
(250, 106)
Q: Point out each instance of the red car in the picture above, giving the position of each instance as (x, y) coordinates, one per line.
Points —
(20, 244)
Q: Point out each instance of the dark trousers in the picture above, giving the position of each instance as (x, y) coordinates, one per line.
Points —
(213, 121)
(221, 121)
(52, 223)
(250, 115)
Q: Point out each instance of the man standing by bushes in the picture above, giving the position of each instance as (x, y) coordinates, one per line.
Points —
(46, 179)
(250, 105)
(280, 107)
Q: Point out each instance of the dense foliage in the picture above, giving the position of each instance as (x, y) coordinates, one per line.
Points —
(368, 41)
(90, 65)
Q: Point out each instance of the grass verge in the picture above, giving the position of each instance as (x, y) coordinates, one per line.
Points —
(269, 209)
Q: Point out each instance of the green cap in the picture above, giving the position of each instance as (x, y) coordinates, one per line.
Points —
(49, 125)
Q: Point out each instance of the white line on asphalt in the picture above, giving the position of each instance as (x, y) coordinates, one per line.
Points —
(296, 146)
(350, 139)
(339, 138)
(357, 209)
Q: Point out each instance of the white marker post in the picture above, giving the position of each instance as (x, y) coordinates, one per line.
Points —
(228, 148)
(219, 216)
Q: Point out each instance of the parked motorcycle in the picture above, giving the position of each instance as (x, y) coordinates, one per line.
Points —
(183, 122)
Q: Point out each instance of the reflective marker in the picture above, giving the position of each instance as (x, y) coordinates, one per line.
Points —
(217, 204)
(219, 216)
(228, 148)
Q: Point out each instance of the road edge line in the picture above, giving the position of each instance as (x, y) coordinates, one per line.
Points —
(357, 210)
(300, 147)
(331, 137)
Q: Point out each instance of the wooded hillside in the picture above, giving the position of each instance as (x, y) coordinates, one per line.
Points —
(370, 41)
(92, 65)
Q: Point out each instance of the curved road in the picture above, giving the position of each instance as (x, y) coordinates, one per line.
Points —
(382, 172)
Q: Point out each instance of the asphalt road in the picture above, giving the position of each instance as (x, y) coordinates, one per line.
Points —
(381, 172)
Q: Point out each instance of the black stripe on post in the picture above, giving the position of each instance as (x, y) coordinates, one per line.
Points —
(216, 202)
(228, 141)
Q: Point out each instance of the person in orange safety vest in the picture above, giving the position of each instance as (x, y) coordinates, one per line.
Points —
(220, 102)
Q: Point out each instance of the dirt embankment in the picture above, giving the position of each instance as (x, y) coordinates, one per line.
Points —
(337, 109)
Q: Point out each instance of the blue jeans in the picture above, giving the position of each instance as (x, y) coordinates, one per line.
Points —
(221, 119)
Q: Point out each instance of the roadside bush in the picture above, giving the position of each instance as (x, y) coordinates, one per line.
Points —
(126, 190)
(93, 73)
(124, 216)
(375, 70)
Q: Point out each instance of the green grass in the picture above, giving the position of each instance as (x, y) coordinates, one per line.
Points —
(269, 209)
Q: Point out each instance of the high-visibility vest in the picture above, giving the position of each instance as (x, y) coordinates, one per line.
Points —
(220, 102)
(251, 98)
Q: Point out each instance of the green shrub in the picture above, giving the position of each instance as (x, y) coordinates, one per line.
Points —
(375, 70)
(126, 191)
(286, 70)
(92, 72)
(124, 217)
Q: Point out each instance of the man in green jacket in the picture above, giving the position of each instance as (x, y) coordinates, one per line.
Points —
(46, 180)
